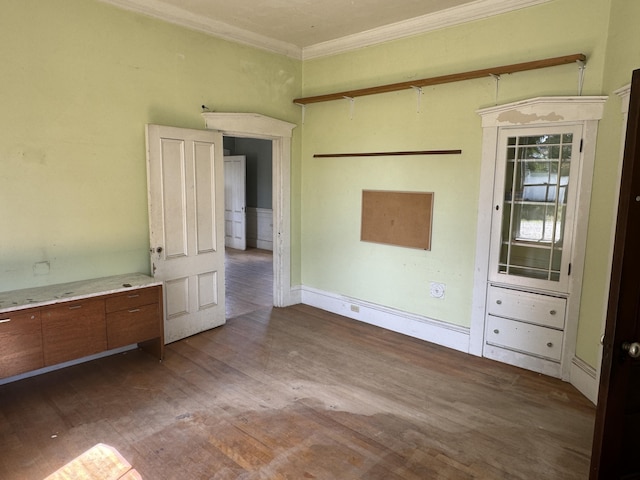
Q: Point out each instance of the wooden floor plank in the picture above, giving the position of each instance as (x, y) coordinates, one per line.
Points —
(297, 393)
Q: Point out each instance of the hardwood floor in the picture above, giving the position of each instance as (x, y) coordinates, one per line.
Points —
(298, 393)
(249, 280)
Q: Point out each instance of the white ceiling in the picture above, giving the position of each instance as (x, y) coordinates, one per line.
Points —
(311, 28)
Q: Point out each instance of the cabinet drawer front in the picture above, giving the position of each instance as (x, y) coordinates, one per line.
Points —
(527, 306)
(524, 337)
(133, 326)
(73, 330)
(132, 299)
(20, 343)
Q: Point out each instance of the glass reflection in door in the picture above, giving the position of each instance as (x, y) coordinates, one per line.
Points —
(535, 204)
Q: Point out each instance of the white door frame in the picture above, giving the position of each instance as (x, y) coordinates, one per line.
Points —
(254, 125)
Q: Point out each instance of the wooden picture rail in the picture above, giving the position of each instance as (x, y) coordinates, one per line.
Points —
(388, 154)
(456, 77)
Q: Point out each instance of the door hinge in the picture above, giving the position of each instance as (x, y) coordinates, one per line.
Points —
(569, 272)
(581, 144)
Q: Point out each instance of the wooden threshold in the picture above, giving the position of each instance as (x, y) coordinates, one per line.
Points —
(455, 77)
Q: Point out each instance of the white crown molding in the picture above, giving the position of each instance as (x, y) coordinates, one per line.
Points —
(469, 12)
(184, 18)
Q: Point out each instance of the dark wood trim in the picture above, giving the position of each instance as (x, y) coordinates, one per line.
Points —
(455, 77)
(388, 154)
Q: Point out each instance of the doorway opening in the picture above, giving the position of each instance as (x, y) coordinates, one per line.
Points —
(255, 125)
(248, 224)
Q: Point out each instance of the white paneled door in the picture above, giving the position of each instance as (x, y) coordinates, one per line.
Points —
(235, 203)
(186, 224)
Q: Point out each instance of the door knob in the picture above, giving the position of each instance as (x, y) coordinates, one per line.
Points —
(633, 349)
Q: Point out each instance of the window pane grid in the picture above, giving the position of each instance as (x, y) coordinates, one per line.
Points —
(536, 188)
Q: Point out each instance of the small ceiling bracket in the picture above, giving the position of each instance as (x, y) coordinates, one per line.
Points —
(304, 111)
(352, 102)
(582, 65)
(497, 80)
(419, 93)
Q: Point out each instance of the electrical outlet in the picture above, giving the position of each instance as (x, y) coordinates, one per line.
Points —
(355, 308)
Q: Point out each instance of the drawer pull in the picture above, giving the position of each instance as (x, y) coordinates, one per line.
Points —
(134, 310)
(496, 331)
(75, 307)
(133, 296)
(550, 344)
(552, 312)
(499, 302)
(5, 320)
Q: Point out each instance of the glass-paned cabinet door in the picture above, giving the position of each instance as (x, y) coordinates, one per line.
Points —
(536, 182)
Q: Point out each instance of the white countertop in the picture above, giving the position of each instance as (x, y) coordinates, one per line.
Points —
(63, 292)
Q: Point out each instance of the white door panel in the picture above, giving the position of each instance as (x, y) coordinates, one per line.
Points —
(235, 211)
(186, 206)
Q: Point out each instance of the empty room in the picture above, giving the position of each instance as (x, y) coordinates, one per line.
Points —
(428, 273)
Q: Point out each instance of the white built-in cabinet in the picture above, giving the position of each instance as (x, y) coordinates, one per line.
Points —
(537, 167)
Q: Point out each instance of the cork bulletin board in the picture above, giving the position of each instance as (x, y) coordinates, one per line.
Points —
(397, 218)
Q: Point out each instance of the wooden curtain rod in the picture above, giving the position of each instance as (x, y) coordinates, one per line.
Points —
(456, 77)
(388, 154)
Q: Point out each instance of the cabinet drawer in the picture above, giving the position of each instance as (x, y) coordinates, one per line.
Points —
(524, 337)
(526, 306)
(132, 299)
(73, 330)
(20, 343)
(133, 325)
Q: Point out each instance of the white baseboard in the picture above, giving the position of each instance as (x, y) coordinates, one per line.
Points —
(260, 228)
(417, 326)
(261, 244)
(584, 378)
(295, 295)
(522, 360)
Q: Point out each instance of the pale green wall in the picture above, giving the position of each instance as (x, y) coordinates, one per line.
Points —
(622, 57)
(334, 259)
(79, 81)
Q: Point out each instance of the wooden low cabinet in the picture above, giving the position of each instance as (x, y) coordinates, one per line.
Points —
(133, 317)
(73, 330)
(90, 323)
(20, 342)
